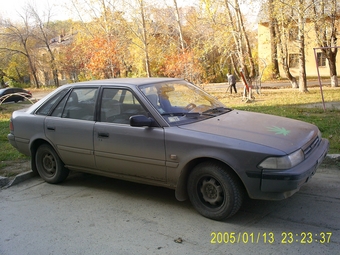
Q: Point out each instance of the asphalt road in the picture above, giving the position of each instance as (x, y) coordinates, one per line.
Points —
(96, 215)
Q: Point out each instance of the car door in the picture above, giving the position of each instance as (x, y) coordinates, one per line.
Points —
(70, 128)
(123, 149)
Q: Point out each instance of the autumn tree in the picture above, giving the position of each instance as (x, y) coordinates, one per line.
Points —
(184, 65)
(17, 38)
(174, 54)
(140, 28)
(241, 39)
(213, 40)
(102, 59)
(292, 27)
(325, 20)
(223, 39)
(285, 31)
(14, 66)
(107, 26)
(43, 34)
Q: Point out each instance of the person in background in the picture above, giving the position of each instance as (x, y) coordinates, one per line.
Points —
(232, 83)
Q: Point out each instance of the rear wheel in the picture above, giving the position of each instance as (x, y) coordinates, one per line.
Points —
(214, 192)
(49, 165)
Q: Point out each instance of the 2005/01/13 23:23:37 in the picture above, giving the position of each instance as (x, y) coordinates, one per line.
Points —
(269, 237)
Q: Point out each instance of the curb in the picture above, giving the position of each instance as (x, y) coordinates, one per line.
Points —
(5, 182)
(334, 156)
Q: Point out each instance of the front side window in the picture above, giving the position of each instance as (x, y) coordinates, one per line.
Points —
(118, 105)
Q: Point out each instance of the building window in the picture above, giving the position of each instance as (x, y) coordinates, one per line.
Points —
(293, 60)
(294, 33)
(321, 59)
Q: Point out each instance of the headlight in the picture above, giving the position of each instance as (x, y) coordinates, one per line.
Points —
(285, 162)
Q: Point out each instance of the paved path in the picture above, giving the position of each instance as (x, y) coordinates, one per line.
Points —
(96, 215)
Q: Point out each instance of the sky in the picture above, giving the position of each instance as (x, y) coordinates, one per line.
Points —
(10, 8)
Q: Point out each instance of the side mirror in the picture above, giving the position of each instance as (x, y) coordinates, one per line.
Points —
(141, 121)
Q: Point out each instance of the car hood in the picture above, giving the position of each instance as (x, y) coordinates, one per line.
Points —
(277, 132)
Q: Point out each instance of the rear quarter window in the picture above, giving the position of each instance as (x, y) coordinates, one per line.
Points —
(48, 106)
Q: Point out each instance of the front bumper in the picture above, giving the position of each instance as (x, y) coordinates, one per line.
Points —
(284, 183)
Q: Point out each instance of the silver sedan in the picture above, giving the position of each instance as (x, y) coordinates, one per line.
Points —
(168, 132)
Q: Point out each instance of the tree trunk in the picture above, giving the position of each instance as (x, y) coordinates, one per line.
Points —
(332, 69)
(325, 31)
(245, 40)
(302, 56)
(302, 68)
(32, 68)
(273, 42)
(290, 77)
(284, 56)
(179, 25)
(145, 41)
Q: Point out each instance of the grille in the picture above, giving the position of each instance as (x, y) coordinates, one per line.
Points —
(307, 151)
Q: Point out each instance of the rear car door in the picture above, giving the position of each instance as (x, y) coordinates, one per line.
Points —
(70, 127)
(123, 149)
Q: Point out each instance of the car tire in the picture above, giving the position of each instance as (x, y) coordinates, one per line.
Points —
(49, 165)
(213, 191)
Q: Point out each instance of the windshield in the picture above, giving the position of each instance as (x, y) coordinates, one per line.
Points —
(181, 102)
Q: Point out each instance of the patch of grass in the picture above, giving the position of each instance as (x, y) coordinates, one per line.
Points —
(8, 152)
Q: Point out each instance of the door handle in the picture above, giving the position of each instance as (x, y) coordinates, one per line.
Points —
(51, 128)
(103, 135)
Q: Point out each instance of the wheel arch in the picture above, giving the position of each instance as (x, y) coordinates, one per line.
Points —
(33, 148)
(181, 188)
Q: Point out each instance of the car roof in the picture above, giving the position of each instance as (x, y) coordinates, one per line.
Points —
(126, 81)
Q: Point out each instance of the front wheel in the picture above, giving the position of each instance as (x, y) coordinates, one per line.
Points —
(49, 165)
(214, 192)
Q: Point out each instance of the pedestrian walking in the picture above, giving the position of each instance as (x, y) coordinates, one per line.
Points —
(232, 83)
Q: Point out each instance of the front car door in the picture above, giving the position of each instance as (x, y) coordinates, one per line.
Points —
(125, 150)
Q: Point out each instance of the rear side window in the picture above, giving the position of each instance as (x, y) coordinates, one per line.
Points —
(80, 104)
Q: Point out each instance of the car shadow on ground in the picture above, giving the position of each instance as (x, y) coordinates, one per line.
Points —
(250, 210)
(125, 188)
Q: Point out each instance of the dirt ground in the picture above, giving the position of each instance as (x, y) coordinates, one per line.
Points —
(11, 169)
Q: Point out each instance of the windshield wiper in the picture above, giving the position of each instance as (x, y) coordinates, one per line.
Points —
(186, 114)
(216, 111)
(211, 112)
